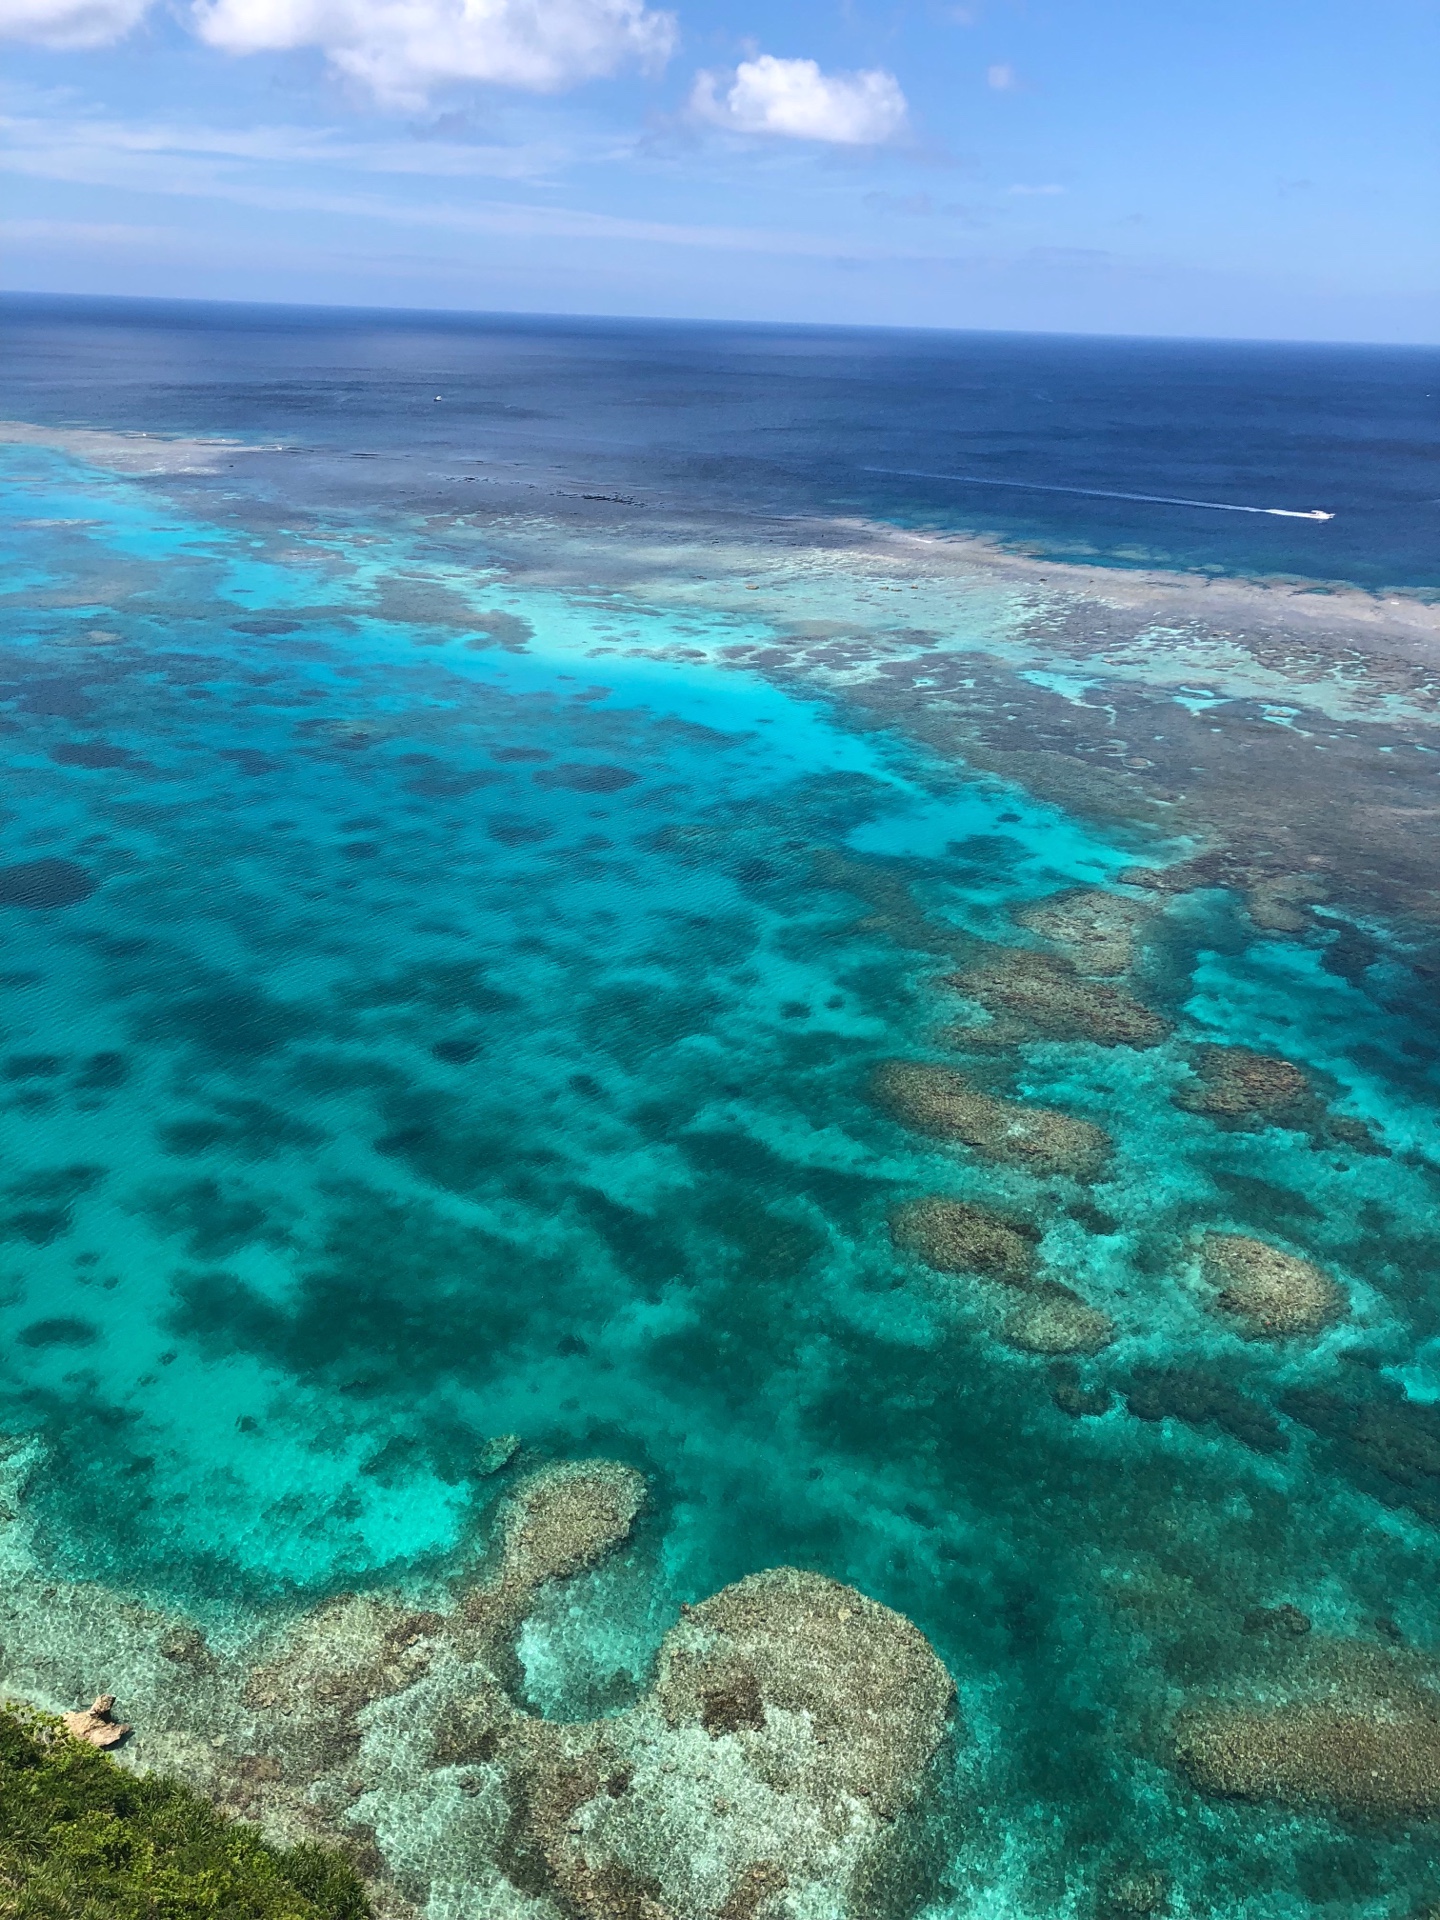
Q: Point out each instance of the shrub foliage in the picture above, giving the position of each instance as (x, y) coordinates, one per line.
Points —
(84, 1839)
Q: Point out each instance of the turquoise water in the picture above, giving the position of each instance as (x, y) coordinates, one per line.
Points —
(426, 1019)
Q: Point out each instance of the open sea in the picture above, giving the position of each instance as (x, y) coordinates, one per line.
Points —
(729, 900)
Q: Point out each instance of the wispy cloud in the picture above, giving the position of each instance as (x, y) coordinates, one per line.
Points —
(1047, 191)
(1001, 78)
(106, 154)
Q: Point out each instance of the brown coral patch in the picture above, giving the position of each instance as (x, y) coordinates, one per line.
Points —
(1379, 1761)
(1055, 1320)
(1097, 928)
(955, 1236)
(1232, 1083)
(868, 1681)
(1052, 999)
(1271, 1292)
(939, 1101)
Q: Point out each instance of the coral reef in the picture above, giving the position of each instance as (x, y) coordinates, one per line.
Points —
(1366, 1759)
(1234, 1084)
(1055, 1320)
(1271, 1292)
(790, 1725)
(1097, 929)
(955, 1236)
(1050, 998)
(939, 1101)
(1277, 900)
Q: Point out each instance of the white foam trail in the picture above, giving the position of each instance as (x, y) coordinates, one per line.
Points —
(1103, 493)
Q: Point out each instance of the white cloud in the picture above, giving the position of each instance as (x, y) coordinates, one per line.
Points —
(1001, 79)
(794, 98)
(69, 23)
(400, 49)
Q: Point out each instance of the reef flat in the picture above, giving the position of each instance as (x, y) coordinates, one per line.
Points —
(718, 1221)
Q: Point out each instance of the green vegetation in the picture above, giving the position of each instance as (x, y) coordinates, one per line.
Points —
(83, 1839)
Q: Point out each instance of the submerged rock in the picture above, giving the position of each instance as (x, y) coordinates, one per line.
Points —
(1097, 929)
(1271, 1292)
(939, 1101)
(1052, 999)
(955, 1236)
(1055, 1320)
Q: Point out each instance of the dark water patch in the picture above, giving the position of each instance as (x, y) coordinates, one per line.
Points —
(59, 1332)
(215, 1219)
(756, 1168)
(40, 1226)
(457, 1053)
(230, 1022)
(644, 1248)
(248, 1129)
(518, 755)
(34, 1066)
(513, 830)
(267, 625)
(1262, 1202)
(64, 1183)
(50, 697)
(436, 781)
(586, 779)
(446, 1144)
(447, 986)
(46, 884)
(400, 1299)
(101, 1073)
(631, 1022)
(250, 761)
(1204, 1400)
(1382, 1442)
(96, 754)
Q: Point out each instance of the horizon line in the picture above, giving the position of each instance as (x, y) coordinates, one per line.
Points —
(683, 320)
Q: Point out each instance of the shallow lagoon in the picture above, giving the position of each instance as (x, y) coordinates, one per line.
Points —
(459, 1018)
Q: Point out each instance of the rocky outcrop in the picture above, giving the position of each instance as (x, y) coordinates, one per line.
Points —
(96, 1724)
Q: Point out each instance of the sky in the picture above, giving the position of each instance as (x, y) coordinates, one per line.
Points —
(1242, 168)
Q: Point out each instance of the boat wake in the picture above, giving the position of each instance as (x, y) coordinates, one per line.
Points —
(1104, 493)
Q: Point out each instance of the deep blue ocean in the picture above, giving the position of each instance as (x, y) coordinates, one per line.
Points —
(470, 1003)
(797, 420)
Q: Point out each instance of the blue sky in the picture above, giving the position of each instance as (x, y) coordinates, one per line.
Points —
(1263, 169)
